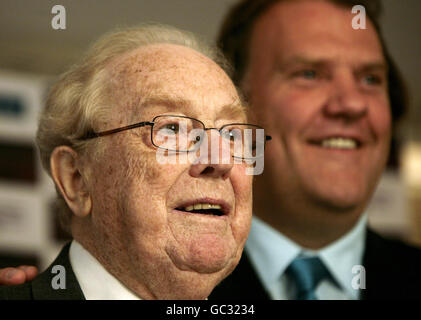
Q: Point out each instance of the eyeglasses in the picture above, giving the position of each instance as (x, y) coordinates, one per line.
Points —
(184, 134)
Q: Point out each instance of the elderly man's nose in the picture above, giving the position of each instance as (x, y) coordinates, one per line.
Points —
(213, 163)
(346, 100)
(211, 170)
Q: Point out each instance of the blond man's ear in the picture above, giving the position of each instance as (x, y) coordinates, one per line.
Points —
(70, 181)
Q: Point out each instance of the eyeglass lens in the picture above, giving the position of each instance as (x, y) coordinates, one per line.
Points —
(186, 134)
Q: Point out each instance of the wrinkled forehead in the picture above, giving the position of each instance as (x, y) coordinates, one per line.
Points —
(180, 74)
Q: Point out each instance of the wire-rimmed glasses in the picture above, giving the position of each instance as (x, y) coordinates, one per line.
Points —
(178, 133)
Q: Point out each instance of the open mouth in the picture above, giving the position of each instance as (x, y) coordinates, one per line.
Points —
(204, 208)
(341, 143)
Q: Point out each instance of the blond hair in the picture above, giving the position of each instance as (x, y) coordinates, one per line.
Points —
(78, 99)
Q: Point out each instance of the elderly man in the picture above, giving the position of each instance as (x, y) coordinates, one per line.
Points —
(329, 96)
(144, 228)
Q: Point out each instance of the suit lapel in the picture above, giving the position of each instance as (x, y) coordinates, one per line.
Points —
(392, 269)
(243, 283)
(42, 288)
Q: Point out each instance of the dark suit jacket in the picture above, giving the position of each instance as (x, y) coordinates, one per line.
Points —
(41, 288)
(393, 271)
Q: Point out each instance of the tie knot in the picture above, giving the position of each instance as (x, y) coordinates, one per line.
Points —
(307, 273)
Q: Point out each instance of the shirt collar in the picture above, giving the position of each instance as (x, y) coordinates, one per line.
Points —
(271, 253)
(94, 280)
(343, 254)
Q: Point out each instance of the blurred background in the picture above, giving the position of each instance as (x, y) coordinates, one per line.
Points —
(33, 54)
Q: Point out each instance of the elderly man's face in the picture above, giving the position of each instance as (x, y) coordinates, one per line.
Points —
(320, 89)
(138, 203)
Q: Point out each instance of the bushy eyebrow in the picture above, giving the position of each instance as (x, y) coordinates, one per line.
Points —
(165, 100)
(316, 62)
(234, 110)
(185, 105)
(371, 67)
(302, 60)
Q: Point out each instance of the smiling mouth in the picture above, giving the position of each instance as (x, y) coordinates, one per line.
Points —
(340, 143)
(203, 208)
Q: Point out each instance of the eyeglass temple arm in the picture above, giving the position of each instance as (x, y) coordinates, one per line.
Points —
(92, 134)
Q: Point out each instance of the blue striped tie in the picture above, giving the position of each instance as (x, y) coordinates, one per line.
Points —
(307, 273)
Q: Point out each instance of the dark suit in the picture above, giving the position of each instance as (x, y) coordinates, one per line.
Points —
(393, 271)
(41, 288)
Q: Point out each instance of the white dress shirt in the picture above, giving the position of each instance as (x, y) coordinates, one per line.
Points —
(271, 253)
(96, 282)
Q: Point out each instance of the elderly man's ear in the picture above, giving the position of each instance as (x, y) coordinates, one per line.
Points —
(66, 172)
